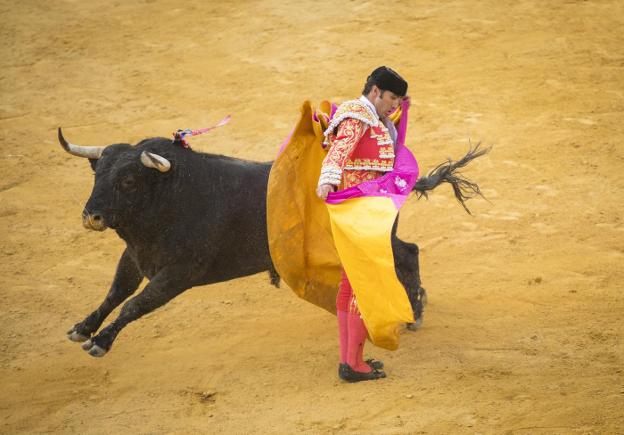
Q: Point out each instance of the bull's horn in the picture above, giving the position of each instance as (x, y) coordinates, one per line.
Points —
(80, 151)
(155, 161)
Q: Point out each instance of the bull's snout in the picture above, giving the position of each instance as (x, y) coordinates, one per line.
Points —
(93, 221)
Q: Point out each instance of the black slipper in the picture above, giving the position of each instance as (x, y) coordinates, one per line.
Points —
(346, 373)
(374, 364)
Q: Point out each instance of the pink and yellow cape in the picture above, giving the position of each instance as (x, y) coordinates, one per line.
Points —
(310, 239)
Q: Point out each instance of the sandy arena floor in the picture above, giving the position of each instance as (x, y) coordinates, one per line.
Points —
(523, 333)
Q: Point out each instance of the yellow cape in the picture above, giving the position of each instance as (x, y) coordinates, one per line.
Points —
(304, 241)
(300, 239)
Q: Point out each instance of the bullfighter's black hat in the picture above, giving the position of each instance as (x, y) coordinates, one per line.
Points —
(388, 79)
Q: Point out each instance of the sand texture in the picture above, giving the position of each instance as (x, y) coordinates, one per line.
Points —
(523, 331)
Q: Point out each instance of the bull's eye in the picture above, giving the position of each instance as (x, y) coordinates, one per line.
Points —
(127, 183)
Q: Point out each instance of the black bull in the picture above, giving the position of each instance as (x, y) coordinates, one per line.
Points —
(192, 219)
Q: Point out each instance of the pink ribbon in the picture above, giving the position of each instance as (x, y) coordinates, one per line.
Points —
(180, 135)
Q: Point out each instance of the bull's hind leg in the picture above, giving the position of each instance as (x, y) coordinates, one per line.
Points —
(408, 272)
(166, 285)
(126, 281)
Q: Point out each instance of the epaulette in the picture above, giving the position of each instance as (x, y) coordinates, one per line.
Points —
(355, 109)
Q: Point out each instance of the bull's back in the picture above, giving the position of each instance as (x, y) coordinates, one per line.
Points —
(230, 221)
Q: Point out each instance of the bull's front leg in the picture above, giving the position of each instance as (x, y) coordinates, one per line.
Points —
(166, 284)
(126, 281)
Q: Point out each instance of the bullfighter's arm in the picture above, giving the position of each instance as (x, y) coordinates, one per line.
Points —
(350, 131)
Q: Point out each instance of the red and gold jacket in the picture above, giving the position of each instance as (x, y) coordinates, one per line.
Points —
(361, 147)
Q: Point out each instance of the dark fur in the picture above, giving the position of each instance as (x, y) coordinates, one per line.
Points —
(202, 222)
(408, 271)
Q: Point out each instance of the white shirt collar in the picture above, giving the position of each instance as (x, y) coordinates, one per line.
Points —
(369, 104)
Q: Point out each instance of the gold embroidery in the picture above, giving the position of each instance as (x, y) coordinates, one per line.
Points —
(374, 164)
(348, 125)
(353, 109)
(355, 177)
(350, 131)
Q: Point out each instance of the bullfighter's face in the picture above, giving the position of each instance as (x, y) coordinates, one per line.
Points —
(385, 102)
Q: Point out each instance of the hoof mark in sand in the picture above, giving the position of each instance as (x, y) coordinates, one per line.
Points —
(10, 185)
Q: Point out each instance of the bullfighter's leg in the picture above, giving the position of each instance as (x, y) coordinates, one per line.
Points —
(408, 272)
(126, 281)
(352, 334)
(166, 285)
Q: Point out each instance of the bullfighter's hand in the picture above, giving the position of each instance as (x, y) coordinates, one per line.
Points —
(323, 190)
(407, 100)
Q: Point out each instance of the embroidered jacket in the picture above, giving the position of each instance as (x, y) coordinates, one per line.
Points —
(361, 147)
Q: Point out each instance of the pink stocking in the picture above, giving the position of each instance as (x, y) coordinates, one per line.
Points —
(345, 293)
(357, 338)
(343, 334)
(352, 331)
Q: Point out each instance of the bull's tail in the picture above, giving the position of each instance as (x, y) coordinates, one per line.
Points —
(447, 172)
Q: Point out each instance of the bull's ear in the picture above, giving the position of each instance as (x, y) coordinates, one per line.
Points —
(93, 163)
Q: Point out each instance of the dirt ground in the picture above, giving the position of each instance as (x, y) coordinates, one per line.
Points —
(523, 332)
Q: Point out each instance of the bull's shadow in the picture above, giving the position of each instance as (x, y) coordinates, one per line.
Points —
(192, 219)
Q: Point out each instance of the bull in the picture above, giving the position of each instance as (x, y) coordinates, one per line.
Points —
(191, 219)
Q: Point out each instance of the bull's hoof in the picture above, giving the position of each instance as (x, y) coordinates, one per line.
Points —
(97, 351)
(93, 349)
(416, 325)
(76, 336)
